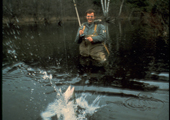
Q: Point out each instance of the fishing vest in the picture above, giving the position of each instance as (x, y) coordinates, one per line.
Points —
(95, 50)
(95, 30)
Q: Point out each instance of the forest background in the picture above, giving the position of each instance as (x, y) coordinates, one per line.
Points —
(153, 13)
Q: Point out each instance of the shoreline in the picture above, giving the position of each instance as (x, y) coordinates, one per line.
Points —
(42, 20)
(31, 20)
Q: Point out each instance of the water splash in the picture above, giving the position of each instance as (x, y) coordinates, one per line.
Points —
(85, 109)
(66, 109)
(71, 111)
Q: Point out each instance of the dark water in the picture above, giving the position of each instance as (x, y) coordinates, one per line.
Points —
(134, 83)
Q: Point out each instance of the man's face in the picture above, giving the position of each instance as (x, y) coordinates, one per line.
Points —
(90, 17)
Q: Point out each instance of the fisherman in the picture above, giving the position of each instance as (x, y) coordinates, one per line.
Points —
(90, 37)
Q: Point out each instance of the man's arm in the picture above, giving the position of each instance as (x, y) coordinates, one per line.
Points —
(78, 36)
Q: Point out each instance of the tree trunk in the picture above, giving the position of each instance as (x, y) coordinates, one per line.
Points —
(121, 7)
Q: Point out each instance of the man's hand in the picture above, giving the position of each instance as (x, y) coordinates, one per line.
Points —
(89, 39)
(81, 32)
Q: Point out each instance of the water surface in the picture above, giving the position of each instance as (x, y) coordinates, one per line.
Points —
(134, 84)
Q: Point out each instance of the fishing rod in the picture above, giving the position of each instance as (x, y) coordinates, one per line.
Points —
(77, 12)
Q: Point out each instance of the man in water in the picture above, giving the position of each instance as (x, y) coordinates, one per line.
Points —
(91, 36)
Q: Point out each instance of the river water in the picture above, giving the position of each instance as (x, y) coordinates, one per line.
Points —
(134, 85)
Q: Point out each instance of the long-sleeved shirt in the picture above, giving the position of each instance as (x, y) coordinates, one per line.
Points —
(89, 30)
(94, 48)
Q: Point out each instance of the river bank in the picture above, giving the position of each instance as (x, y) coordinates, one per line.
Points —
(32, 20)
(43, 20)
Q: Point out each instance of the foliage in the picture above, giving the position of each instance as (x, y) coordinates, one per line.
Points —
(97, 2)
(162, 8)
(138, 3)
(143, 5)
(154, 14)
(65, 8)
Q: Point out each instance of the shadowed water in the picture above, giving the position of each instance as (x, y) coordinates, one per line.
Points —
(134, 84)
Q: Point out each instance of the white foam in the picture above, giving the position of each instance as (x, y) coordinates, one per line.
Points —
(67, 110)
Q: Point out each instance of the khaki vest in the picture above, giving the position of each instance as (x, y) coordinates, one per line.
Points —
(95, 50)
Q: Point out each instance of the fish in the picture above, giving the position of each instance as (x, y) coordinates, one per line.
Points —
(68, 94)
(64, 107)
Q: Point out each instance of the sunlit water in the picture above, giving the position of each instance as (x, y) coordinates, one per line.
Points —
(40, 62)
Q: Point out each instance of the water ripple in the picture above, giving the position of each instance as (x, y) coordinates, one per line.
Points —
(144, 102)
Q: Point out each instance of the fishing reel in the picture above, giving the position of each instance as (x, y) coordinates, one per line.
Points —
(83, 37)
